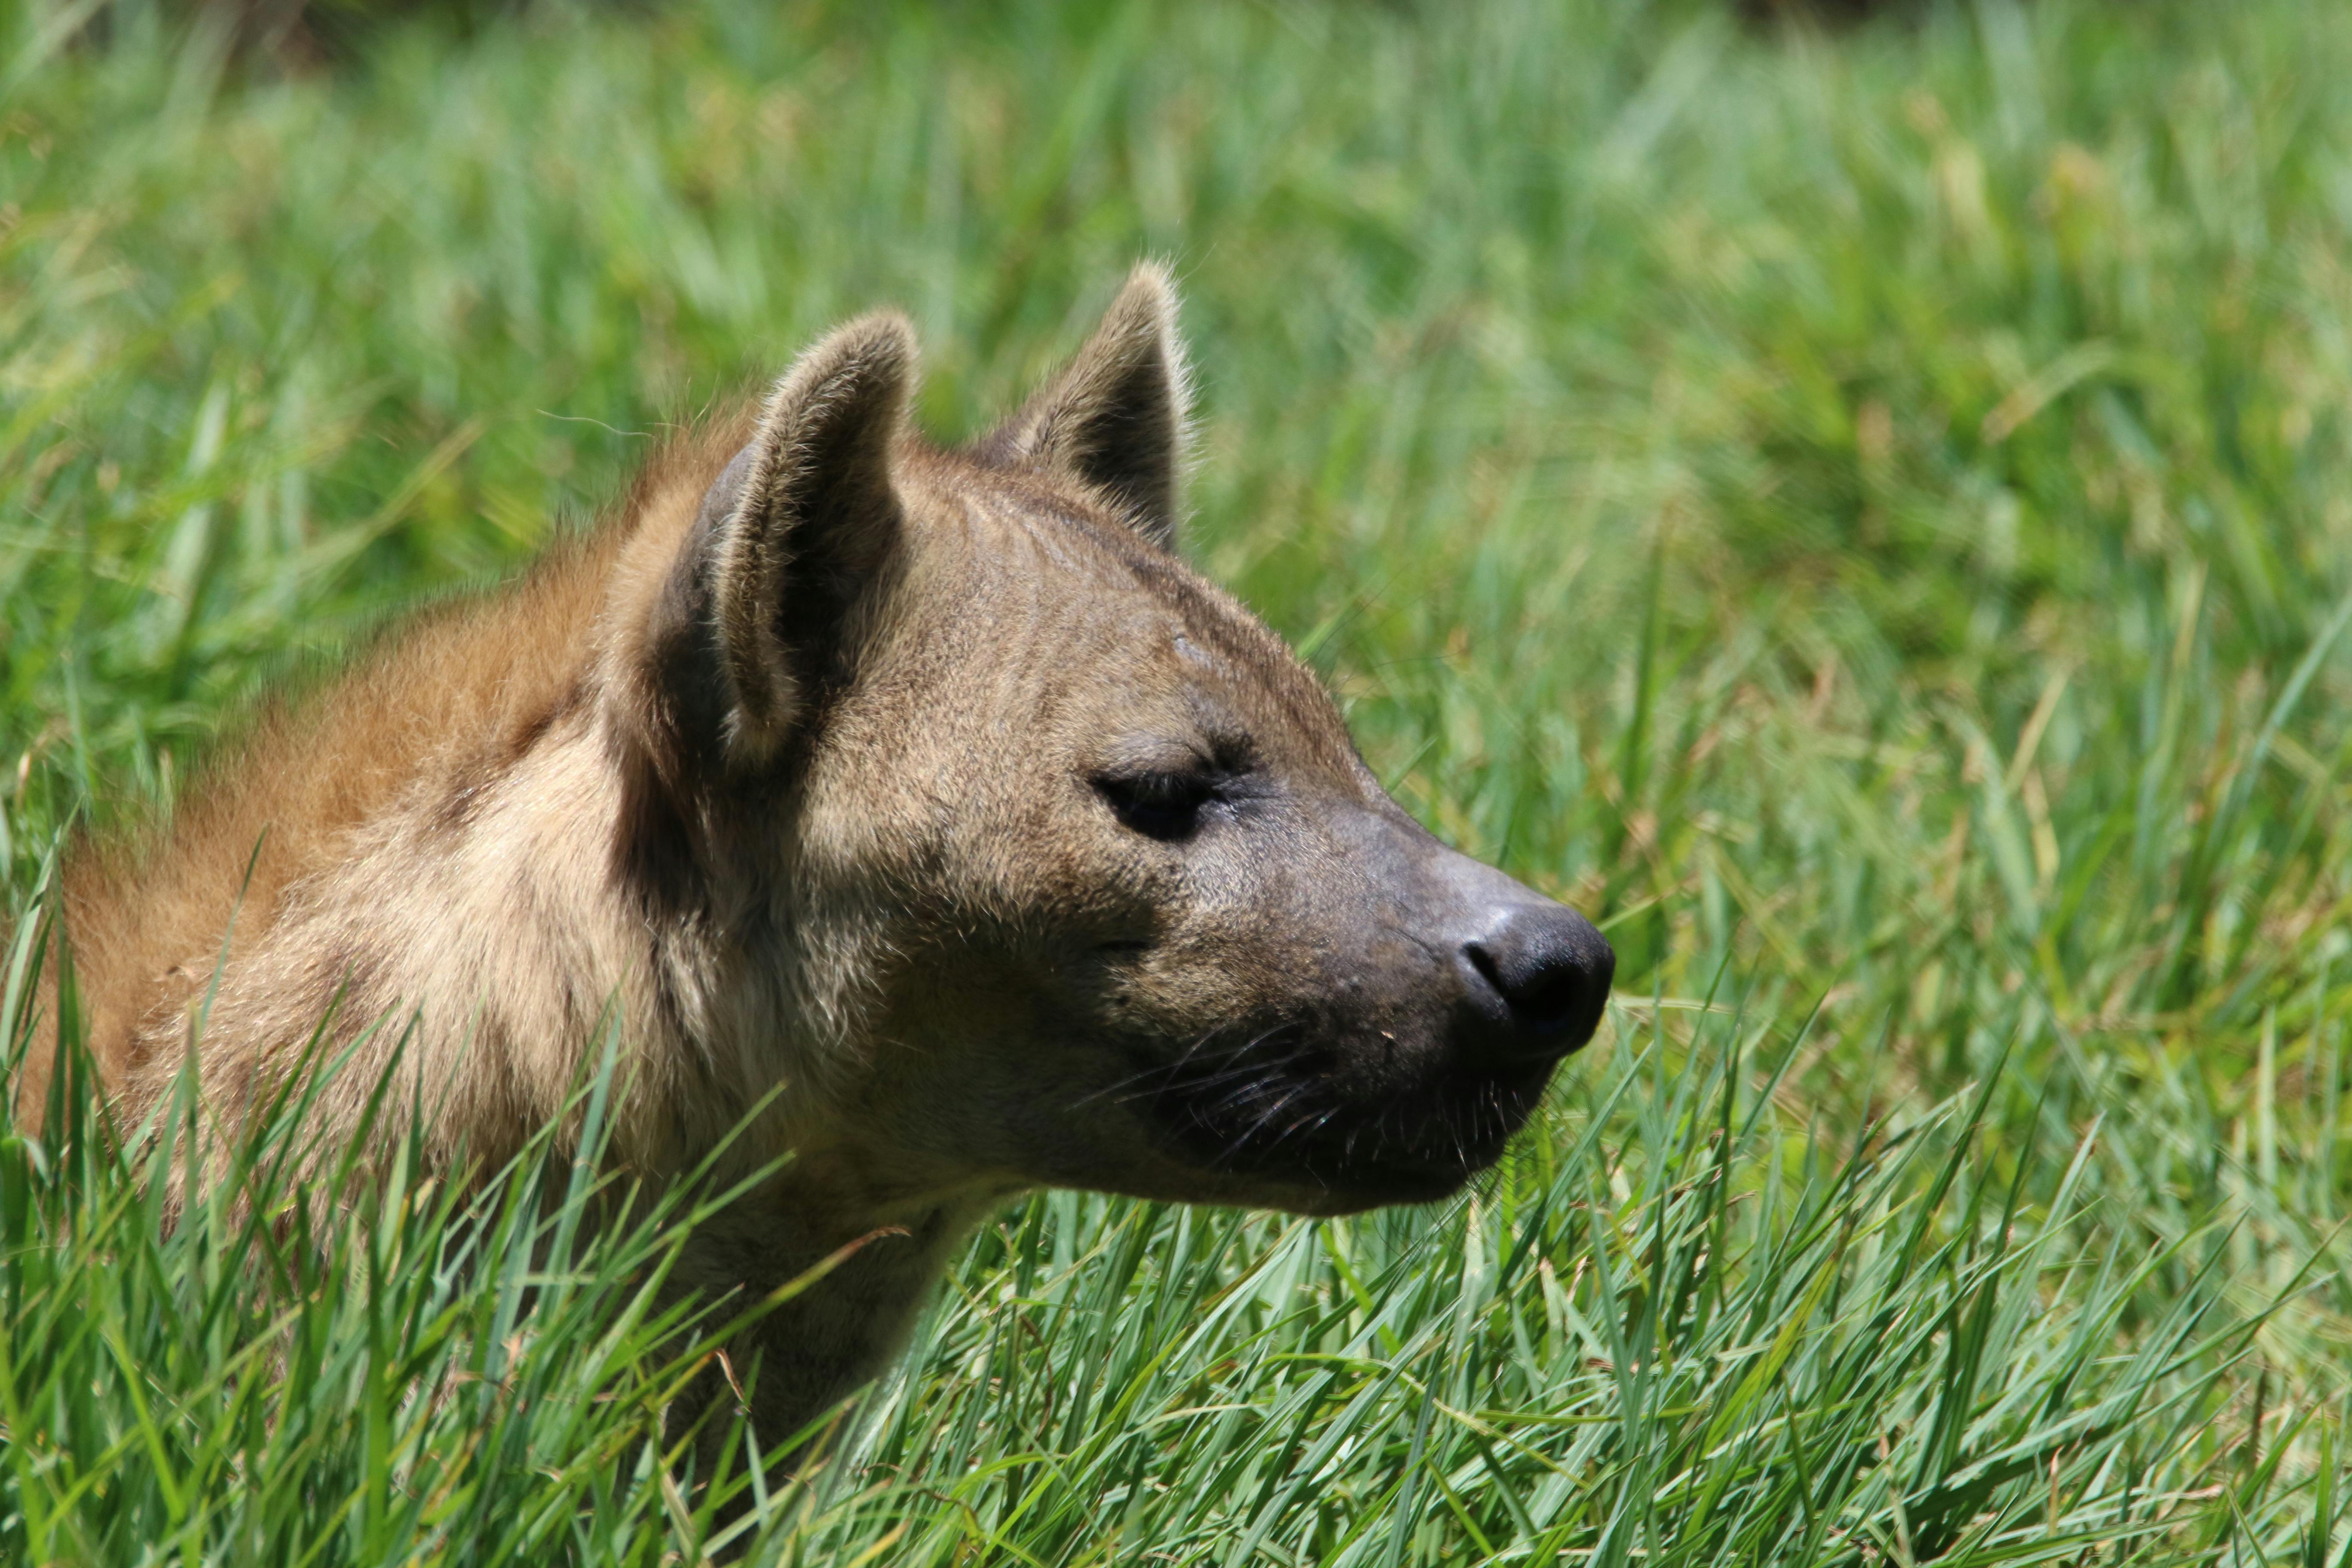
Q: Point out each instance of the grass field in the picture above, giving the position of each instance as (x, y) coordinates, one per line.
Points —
(1868, 516)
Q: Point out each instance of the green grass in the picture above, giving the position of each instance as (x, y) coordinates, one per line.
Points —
(1867, 516)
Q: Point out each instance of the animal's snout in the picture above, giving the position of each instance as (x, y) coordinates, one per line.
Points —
(1533, 981)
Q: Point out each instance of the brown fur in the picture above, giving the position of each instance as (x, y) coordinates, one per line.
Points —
(924, 785)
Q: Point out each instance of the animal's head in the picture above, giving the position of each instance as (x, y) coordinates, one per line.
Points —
(1063, 864)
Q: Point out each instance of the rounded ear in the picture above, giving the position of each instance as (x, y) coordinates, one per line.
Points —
(1115, 419)
(799, 525)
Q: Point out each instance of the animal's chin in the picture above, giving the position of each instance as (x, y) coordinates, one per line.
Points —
(1372, 1186)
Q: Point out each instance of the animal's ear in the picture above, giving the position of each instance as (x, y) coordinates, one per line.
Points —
(761, 601)
(1116, 417)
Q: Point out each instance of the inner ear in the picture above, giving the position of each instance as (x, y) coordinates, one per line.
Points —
(758, 615)
(1115, 419)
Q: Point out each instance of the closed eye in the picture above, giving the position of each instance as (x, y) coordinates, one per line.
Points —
(1162, 806)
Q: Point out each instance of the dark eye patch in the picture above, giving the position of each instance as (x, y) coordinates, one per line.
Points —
(1162, 803)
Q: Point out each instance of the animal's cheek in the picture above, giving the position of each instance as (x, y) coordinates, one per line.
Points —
(1041, 883)
(1211, 978)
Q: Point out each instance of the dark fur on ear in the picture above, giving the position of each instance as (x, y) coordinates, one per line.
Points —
(799, 524)
(1116, 418)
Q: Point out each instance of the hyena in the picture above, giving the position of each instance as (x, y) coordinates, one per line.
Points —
(920, 799)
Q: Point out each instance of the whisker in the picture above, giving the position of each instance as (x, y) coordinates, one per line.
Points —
(1160, 1070)
(1259, 1122)
(1298, 1122)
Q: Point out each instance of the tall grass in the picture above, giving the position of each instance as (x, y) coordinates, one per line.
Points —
(295, 1359)
(1864, 515)
(1676, 1330)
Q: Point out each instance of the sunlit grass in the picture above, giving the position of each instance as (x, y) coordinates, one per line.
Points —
(1864, 515)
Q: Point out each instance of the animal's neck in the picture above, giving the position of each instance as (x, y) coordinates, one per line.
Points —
(854, 1278)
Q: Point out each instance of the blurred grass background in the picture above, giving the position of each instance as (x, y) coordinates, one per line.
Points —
(1863, 513)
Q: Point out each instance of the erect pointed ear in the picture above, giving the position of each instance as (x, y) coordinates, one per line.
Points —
(1116, 418)
(758, 611)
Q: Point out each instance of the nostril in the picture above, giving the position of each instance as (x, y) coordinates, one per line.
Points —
(1484, 962)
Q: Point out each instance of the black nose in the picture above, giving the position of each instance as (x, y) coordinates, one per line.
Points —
(1534, 983)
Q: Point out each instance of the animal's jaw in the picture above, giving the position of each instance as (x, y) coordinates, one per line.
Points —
(1294, 1137)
